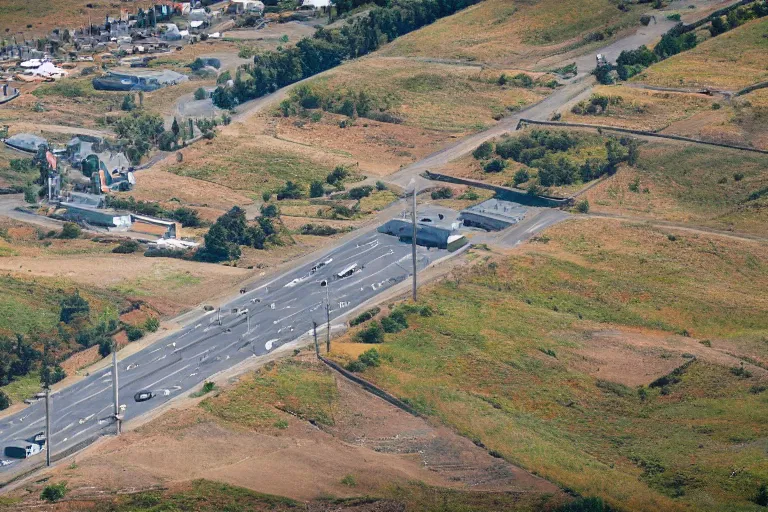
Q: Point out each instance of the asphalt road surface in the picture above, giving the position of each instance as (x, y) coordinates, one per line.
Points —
(278, 312)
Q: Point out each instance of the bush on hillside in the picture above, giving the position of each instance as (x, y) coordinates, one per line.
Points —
(364, 316)
(371, 334)
(483, 151)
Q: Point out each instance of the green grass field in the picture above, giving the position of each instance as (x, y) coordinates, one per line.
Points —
(251, 168)
(501, 362)
(303, 390)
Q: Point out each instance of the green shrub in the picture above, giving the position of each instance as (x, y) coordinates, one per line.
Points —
(582, 206)
(521, 176)
(127, 247)
(442, 193)
(152, 324)
(370, 358)
(200, 94)
(380, 186)
(740, 371)
(208, 386)
(316, 189)
(133, 333)
(349, 481)
(371, 334)
(70, 231)
(483, 151)
(318, 230)
(761, 497)
(356, 366)
(495, 165)
(5, 402)
(364, 316)
(54, 492)
(360, 192)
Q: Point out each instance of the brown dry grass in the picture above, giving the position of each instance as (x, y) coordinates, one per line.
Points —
(517, 33)
(729, 61)
(169, 285)
(527, 354)
(641, 109)
(441, 97)
(45, 16)
(689, 183)
(250, 440)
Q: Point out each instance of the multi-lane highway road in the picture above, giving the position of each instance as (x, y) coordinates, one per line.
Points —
(277, 312)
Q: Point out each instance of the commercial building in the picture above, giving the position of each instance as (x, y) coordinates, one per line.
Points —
(434, 228)
(137, 79)
(493, 215)
(26, 142)
(104, 217)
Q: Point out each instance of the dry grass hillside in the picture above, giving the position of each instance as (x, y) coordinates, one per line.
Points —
(719, 188)
(616, 359)
(38, 18)
(295, 429)
(729, 61)
(515, 33)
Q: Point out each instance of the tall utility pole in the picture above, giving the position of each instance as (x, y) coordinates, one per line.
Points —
(115, 386)
(413, 244)
(314, 331)
(48, 436)
(328, 316)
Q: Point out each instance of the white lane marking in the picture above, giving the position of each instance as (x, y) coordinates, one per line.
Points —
(86, 398)
(161, 348)
(66, 428)
(198, 325)
(158, 359)
(169, 375)
(131, 366)
(87, 418)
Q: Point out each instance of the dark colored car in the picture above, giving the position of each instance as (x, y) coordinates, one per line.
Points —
(143, 396)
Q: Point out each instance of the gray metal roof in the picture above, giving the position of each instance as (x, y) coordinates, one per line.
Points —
(26, 142)
(497, 209)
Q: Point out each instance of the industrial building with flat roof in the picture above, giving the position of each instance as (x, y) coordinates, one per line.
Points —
(493, 214)
(434, 228)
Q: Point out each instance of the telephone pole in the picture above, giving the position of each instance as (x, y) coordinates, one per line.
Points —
(413, 244)
(314, 331)
(328, 317)
(47, 426)
(115, 387)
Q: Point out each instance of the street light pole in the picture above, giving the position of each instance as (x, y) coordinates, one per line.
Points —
(115, 386)
(413, 244)
(328, 317)
(47, 426)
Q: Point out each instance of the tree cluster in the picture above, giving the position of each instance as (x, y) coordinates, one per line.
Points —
(231, 230)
